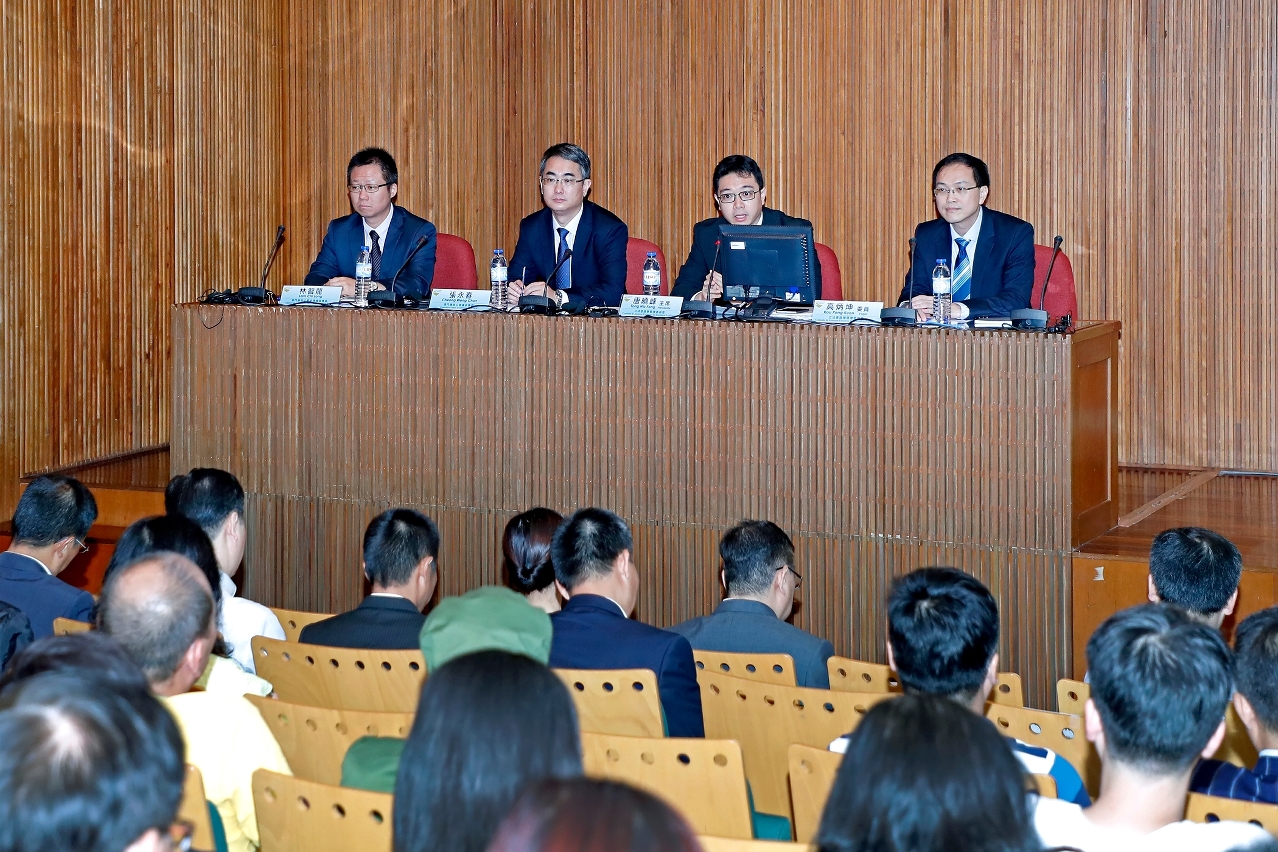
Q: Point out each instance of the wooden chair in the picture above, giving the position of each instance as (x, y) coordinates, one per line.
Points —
(315, 739)
(762, 668)
(812, 773)
(766, 719)
(1045, 785)
(728, 844)
(1062, 733)
(847, 675)
(293, 621)
(1203, 808)
(68, 626)
(1071, 696)
(702, 779)
(341, 678)
(624, 702)
(194, 809)
(301, 816)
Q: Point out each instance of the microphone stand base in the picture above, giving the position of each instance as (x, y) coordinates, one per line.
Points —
(697, 310)
(385, 299)
(898, 317)
(1028, 319)
(537, 305)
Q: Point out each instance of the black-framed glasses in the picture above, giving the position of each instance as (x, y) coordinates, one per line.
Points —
(370, 188)
(744, 195)
(958, 191)
(798, 578)
(565, 182)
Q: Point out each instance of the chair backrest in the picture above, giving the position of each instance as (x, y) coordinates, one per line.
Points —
(294, 815)
(293, 621)
(315, 739)
(831, 275)
(812, 773)
(636, 253)
(847, 675)
(1061, 732)
(194, 809)
(1071, 696)
(341, 678)
(766, 719)
(702, 779)
(1203, 808)
(624, 702)
(763, 668)
(730, 844)
(454, 263)
(68, 626)
(1062, 298)
(1045, 784)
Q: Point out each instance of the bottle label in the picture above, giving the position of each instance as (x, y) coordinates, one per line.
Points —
(363, 270)
(651, 278)
(498, 275)
(941, 285)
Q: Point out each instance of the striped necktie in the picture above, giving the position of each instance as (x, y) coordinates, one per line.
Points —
(962, 289)
(375, 255)
(562, 281)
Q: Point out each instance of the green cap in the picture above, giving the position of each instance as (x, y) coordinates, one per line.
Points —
(485, 619)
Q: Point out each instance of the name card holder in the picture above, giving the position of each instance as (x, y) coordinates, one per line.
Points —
(299, 294)
(650, 306)
(459, 300)
(841, 313)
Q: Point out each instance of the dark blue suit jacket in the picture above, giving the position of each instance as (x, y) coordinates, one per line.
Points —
(345, 237)
(380, 623)
(43, 598)
(1217, 778)
(591, 633)
(1002, 271)
(598, 260)
(751, 627)
(701, 256)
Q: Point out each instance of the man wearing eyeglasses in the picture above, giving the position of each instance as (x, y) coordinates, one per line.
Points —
(739, 194)
(572, 250)
(991, 254)
(390, 232)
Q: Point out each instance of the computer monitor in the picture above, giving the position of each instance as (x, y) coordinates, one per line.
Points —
(768, 260)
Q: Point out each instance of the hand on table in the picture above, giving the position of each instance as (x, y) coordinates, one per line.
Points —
(711, 288)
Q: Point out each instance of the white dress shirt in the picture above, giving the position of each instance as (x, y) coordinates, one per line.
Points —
(241, 620)
(572, 226)
(971, 236)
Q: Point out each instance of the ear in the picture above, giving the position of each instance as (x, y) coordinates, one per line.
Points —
(763, 194)
(778, 581)
(430, 577)
(231, 527)
(1092, 726)
(563, 591)
(394, 189)
(991, 677)
(1233, 602)
(1153, 591)
(196, 658)
(985, 193)
(891, 658)
(1246, 714)
(723, 578)
(623, 565)
(1213, 744)
(585, 187)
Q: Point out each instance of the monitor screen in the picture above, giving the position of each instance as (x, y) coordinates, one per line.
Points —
(772, 260)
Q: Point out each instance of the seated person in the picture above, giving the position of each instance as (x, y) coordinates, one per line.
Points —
(739, 194)
(91, 654)
(991, 254)
(15, 632)
(596, 573)
(1197, 570)
(758, 572)
(525, 547)
(595, 273)
(390, 232)
(400, 548)
(1160, 685)
(49, 526)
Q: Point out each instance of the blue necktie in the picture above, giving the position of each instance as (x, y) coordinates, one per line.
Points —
(561, 277)
(962, 289)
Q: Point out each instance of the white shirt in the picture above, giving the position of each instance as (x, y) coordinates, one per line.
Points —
(241, 620)
(1065, 824)
(382, 230)
(971, 235)
(572, 226)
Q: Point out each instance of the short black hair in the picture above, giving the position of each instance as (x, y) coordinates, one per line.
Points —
(83, 768)
(52, 508)
(943, 629)
(736, 164)
(569, 152)
(1195, 568)
(1256, 664)
(525, 547)
(378, 157)
(206, 495)
(980, 171)
(752, 553)
(167, 534)
(1160, 681)
(91, 654)
(587, 544)
(395, 542)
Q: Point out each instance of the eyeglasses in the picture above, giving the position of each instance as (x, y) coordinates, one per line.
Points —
(84, 548)
(798, 578)
(565, 182)
(744, 195)
(369, 188)
(958, 191)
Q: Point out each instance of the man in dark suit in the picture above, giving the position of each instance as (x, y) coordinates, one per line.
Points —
(594, 274)
(400, 547)
(591, 552)
(991, 254)
(390, 232)
(758, 572)
(49, 527)
(739, 193)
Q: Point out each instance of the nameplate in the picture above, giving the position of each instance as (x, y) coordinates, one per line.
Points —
(650, 306)
(832, 311)
(459, 300)
(298, 294)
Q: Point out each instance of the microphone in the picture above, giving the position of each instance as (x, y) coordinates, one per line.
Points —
(695, 308)
(1031, 318)
(544, 304)
(903, 316)
(387, 297)
(258, 295)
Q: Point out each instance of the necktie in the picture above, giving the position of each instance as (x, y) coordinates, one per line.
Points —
(961, 290)
(376, 254)
(561, 277)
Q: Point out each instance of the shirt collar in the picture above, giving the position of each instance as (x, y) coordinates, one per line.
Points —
(226, 585)
(572, 226)
(758, 221)
(1269, 752)
(972, 232)
(43, 567)
(382, 229)
(386, 595)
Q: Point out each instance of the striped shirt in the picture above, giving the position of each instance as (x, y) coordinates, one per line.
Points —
(1217, 778)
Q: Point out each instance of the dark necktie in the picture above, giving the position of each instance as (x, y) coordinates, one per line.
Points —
(376, 254)
(962, 289)
(561, 277)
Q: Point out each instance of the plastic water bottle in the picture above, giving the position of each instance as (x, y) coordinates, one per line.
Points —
(651, 275)
(363, 276)
(941, 291)
(497, 277)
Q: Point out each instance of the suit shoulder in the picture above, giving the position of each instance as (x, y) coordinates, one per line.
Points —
(689, 628)
(1007, 220)
(605, 217)
(341, 222)
(533, 218)
(415, 221)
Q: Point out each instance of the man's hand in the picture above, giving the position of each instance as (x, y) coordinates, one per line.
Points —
(922, 307)
(347, 285)
(541, 288)
(711, 288)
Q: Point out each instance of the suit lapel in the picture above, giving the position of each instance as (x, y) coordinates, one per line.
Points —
(584, 229)
(393, 250)
(985, 245)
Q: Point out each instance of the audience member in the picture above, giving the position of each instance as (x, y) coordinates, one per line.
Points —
(589, 815)
(400, 549)
(160, 610)
(1198, 570)
(86, 769)
(15, 632)
(592, 554)
(87, 655)
(214, 499)
(758, 573)
(525, 548)
(924, 774)
(1160, 685)
(488, 725)
(49, 526)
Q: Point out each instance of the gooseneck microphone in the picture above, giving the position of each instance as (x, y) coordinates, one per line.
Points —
(258, 295)
(387, 297)
(697, 308)
(1056, 249)
(1035, 319)
(904, 316)
(544, 304)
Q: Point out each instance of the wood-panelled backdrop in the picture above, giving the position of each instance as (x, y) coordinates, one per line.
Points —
(149, 150)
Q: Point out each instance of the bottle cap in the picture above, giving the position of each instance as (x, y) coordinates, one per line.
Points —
(652, 254)
(499, 251)
(366, 248)
(942, 260)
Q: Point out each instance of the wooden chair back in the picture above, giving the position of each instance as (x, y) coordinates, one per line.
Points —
(848, 675)
(68, 626)
(1071, 696)
(624, 702)
(1203, 808)
(341, 678)
(763, 668)
(195, 810)
(1045, 785)
(293, 621)
(1061, 732)
(301, 816)
(315, 739)
(704, 780)
(729, 844)
(812, 773)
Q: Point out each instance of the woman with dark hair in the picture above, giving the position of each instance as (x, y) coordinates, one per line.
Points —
(488, 725)
(525, 548)
(584, 815)
(924, 774)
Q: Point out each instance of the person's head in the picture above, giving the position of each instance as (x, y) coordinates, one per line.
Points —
(400, 549)
(87, 769)
(160, 610)
(15, 633)
(943, 779)
(488, 725)
(943, 635)
(214, 499)
(960, 185)
(738, 189)
(564, 176)
(1160, 683)
(90, 654)
(758, 563)
(591, 815)
(1256, 676)
(372, 178)
(525, 547)
(592, 555)
(1197, 570)
(53, 518)
(167, 534)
